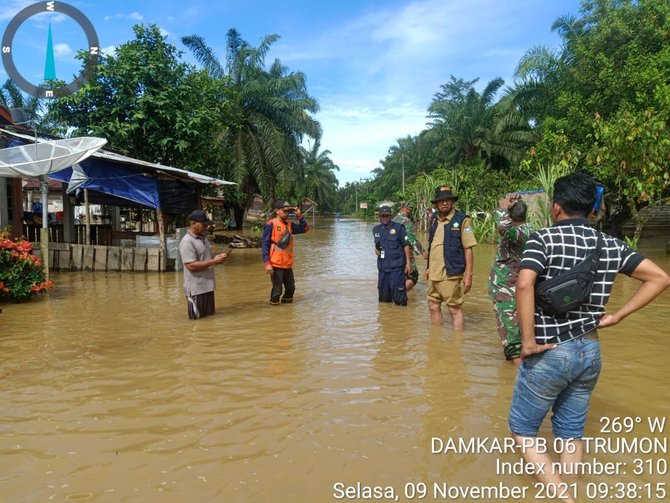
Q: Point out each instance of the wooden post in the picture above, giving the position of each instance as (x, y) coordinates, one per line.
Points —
(161, 234)
(68, 218)
(87, 215)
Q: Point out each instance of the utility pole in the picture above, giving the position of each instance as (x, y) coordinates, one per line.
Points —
(403, 174)
(356, 196)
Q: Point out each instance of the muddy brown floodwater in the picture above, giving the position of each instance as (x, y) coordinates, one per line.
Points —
(110, 394)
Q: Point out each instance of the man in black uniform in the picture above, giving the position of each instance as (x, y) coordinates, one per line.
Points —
(393, 258)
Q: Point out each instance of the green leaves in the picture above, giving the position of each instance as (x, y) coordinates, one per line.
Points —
(151, 105)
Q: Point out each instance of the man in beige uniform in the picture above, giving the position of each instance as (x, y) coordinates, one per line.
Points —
(450, 259)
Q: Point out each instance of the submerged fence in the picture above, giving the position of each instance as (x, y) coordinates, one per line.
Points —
(75, 257)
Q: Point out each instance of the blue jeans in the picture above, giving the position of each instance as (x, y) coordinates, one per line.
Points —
(561, 379)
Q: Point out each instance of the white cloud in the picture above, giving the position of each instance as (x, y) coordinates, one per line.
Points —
(108, 51)
(133, 16)
(12, 7)
(390, 61)
(359, 137)
(62, 50)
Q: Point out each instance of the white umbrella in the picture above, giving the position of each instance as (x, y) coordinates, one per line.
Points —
(42, 158)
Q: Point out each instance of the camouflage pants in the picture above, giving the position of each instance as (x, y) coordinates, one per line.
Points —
(508, 327)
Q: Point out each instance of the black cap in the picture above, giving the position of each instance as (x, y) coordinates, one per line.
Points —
(280, 204)
(200, 216)
(385, 210)
(442, 193)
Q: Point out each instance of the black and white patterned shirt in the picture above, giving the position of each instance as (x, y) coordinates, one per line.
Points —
(559, 248)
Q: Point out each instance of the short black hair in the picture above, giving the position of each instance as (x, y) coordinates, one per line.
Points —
(576, 194)
(517, 211)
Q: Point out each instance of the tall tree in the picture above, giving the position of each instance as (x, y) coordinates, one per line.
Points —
(271, 109)
(468, 125)
(317, 178)
(150, 105)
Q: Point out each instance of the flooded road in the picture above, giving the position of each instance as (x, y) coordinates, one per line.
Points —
(110, 394)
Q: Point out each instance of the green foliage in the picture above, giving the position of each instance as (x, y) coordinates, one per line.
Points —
(484, 227)
(477, 187)
(38, 117)
(468, 126)
(314, 177)
(631, 153)
(270, 113)
(631, 242)
(151, 105)
(21, 273)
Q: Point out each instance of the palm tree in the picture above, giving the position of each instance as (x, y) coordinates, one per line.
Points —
(535, 92)
(463, 121)
(318, 180)
(273, 111)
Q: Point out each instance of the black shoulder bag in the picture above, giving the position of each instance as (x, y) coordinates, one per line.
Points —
(572, 288)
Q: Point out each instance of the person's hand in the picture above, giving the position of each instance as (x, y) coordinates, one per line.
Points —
(608, 320)
(408, 269)
(467, 283)
(221, 258)
(533, 349)
(268, 269)
(425, 254)
(425, 275)
(514, 198)
(378, 252)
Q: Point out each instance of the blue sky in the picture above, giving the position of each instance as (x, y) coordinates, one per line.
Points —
(373, 65)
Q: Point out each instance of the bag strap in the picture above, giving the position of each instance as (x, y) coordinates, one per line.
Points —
(595, 255)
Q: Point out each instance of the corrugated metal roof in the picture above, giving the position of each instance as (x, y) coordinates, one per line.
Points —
(130, 161)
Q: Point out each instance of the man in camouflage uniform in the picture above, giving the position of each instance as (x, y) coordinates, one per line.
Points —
(514, 232)
(416, 248)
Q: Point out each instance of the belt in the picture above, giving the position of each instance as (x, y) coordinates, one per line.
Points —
(593, 334)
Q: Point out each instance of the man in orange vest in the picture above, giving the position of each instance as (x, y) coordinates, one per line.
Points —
(277, 249)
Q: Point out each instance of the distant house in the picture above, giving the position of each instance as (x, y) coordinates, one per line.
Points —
(11, 208)
(656, 225)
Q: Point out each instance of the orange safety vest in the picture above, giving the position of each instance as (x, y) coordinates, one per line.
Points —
(280, 257)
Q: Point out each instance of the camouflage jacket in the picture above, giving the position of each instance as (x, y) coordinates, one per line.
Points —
(505, 269)
(417, 247)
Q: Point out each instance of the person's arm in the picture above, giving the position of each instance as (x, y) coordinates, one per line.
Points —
(525, 307)
(502, 220)
(469, 242)
(408, 258)
(302, 226)
(403, 236)
(206, 264)
(654, 281)
(265, 246)
(467, 275)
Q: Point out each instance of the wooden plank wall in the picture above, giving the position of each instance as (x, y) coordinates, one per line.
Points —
(74, 257)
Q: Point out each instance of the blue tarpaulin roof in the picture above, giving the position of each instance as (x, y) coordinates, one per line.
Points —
(115, 180)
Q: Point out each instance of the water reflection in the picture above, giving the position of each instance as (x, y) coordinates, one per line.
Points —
(111, 394)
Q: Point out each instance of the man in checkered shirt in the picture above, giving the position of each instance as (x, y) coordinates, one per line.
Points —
(561, 354)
